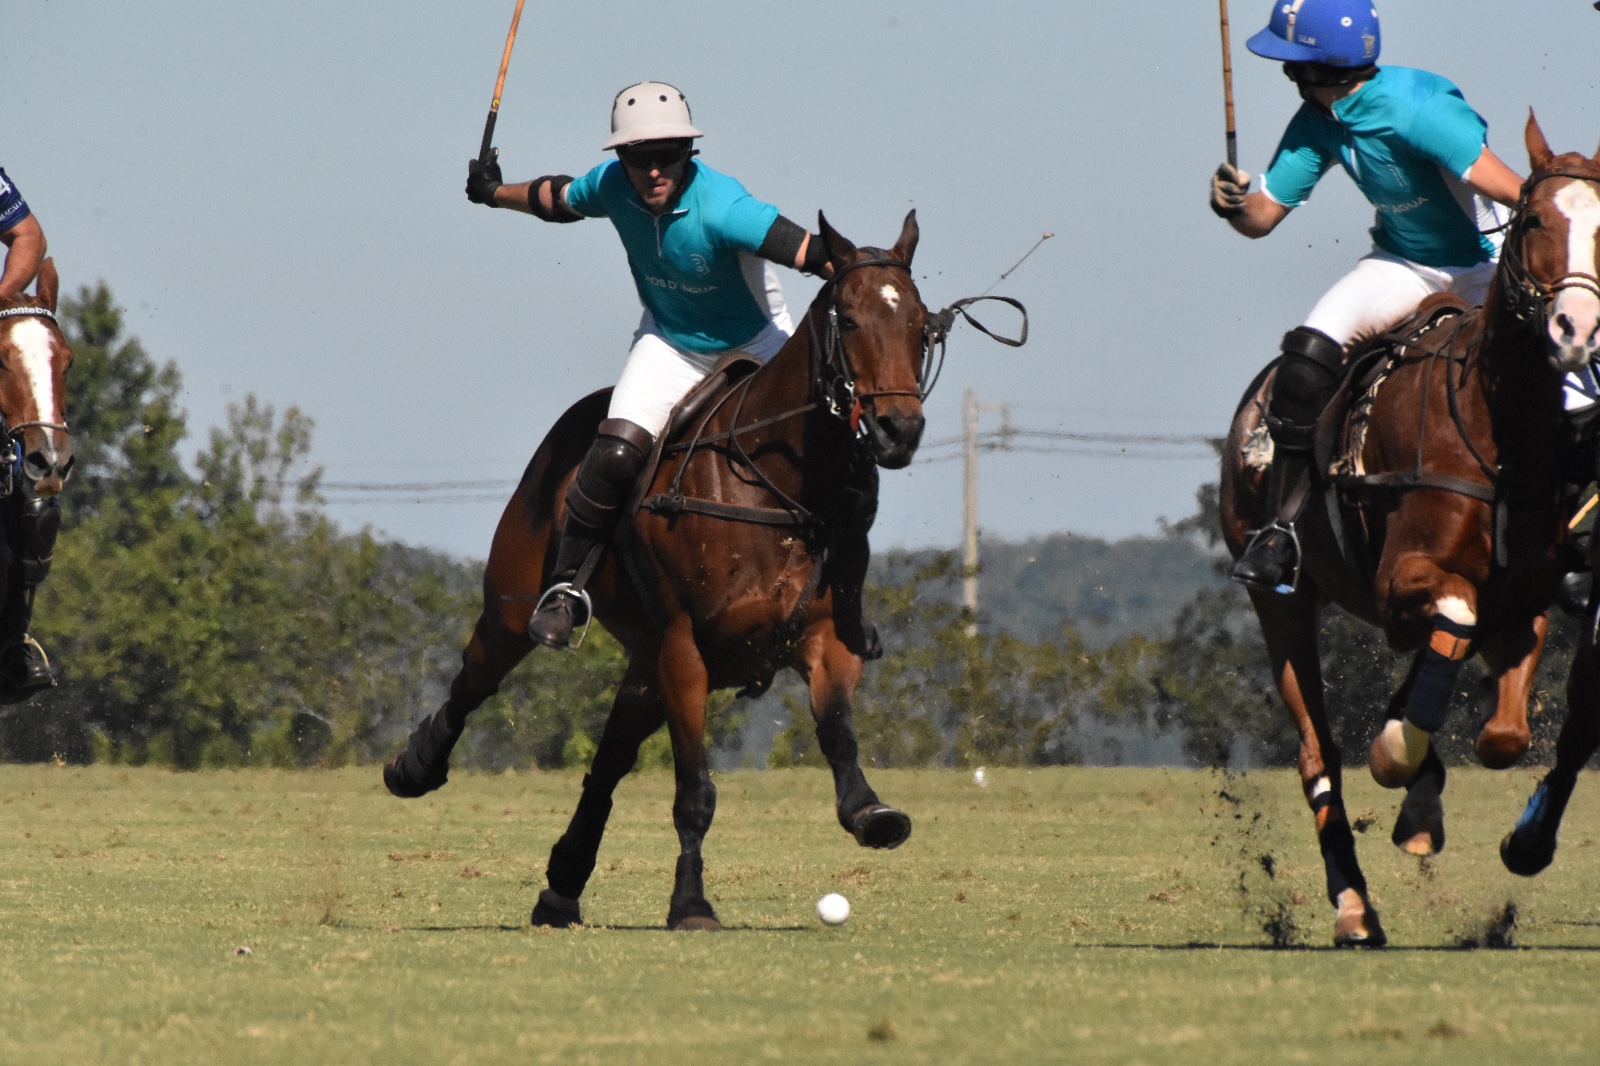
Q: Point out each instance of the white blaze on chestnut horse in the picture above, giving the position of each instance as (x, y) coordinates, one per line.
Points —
(34, 356)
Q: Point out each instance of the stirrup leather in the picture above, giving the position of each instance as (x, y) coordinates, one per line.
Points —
(566, 588)
(1294, 539)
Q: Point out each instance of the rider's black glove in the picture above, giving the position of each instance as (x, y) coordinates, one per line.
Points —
(1229, 187)
(483, 178)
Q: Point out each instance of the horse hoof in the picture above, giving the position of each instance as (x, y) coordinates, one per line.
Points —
(1420, 844)
(1499, 749)
(696, 923)
(556, 912)
(408, 784)
(881, 826)
(1359, 929)
(1525, 858)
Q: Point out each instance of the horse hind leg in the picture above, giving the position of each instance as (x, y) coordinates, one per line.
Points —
(637, 713)
(1419, 827)
(833, 672)
(424, 764)
(1289, 627)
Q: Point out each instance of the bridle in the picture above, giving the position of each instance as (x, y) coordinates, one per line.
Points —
(833, 377)
(14, 433)
(1527, 298)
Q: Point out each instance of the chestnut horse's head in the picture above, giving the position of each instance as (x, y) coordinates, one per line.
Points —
(33, 374)
(1552, 250)
(870, 346)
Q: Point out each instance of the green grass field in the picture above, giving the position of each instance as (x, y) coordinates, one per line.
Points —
(1054, 916)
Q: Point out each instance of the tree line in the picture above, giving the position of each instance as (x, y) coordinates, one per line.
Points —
(210, 614)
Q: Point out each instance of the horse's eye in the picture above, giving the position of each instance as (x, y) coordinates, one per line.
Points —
(846, 323)
(1533, 222)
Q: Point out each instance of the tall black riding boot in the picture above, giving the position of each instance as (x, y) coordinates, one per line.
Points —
(32, 526)
(1308, 374)
(604, 480)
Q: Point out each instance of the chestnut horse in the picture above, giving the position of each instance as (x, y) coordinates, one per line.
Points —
(1458, 500)
(747, 557)
(33, 393)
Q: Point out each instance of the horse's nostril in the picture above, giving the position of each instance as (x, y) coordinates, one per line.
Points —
(37, 463)
(1565, 325)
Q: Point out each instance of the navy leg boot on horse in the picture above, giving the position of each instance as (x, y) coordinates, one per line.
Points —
(32, 525)
(604, 480)
(1307, 376)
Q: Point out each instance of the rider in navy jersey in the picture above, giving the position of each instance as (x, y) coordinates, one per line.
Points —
(30, 522)
(700, 248)
(1419, 153)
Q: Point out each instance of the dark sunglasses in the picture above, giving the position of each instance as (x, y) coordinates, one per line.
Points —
(653, 158)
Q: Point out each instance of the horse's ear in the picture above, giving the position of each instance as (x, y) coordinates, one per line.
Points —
(906, 246)
(841, 253)
(1539, 153)
(49, 284)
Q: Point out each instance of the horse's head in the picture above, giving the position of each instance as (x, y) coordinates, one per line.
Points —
(869, 343)
(34, 357)
(1552, 249)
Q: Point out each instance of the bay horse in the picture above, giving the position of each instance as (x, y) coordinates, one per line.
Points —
(1455, 502)
(748, 556)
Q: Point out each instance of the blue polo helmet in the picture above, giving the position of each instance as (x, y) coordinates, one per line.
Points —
(1340, 33)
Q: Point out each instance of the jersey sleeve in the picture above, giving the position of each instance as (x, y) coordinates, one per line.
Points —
(1445, 129)
(1299, 163)
(584, 196)
(13, 208)
(743, 222)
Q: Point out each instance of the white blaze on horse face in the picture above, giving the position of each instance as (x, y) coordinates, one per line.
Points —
(32, 341)
(891, 296)
(1574, 322)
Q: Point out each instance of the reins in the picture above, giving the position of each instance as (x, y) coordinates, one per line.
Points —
(832, 388)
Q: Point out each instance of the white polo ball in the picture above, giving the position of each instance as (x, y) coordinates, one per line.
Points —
(833, 909)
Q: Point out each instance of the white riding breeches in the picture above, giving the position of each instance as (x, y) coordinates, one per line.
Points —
(658, 373)
(1384, 288)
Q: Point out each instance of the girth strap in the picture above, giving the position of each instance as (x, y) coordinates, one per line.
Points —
(670, 504)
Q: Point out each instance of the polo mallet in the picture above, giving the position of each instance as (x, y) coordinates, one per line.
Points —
(486, 153)
(1227, 87)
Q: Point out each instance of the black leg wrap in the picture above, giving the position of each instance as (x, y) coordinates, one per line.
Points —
(425, 764)
(555, 911)
(573, 857)
(1423, 808)
(836, 736)
(1531, 844)
(1339, 859)
(1435, 680)
(689, 891)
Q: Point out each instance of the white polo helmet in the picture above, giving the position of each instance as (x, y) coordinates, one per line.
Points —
(649, 111)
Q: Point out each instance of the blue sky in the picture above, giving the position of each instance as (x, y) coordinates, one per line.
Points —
(273, 191)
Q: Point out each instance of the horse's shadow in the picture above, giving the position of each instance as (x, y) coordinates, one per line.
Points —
(595, 928)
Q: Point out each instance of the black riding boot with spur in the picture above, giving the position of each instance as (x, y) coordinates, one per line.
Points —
(1308, 374)
(31, 527)
(604, 480)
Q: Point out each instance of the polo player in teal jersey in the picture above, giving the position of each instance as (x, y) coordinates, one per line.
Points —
(699, 246)
(1419, 153)
(30, 522)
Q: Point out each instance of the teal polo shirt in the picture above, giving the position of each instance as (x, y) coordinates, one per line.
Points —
(1407, 139)
(686, 262)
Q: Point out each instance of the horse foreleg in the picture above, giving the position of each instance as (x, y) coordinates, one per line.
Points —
(832, 672)
(1531, 845)
(424, 765)
(637, 713)
(1513, 660)
(1289, 627)
(684, 685)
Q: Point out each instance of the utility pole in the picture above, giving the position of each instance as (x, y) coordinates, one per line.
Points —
(969, 561)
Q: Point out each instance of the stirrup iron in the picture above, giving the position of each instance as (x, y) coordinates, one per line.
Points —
(1294, 539)
(566, 588)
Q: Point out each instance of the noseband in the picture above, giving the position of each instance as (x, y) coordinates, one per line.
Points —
(833, 378)
(1527, 298)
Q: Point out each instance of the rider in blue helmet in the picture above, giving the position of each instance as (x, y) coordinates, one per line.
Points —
(1419, 153)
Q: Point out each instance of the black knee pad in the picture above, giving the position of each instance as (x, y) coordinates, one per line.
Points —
(1307, 376)
(38, 522)
(607, 474)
